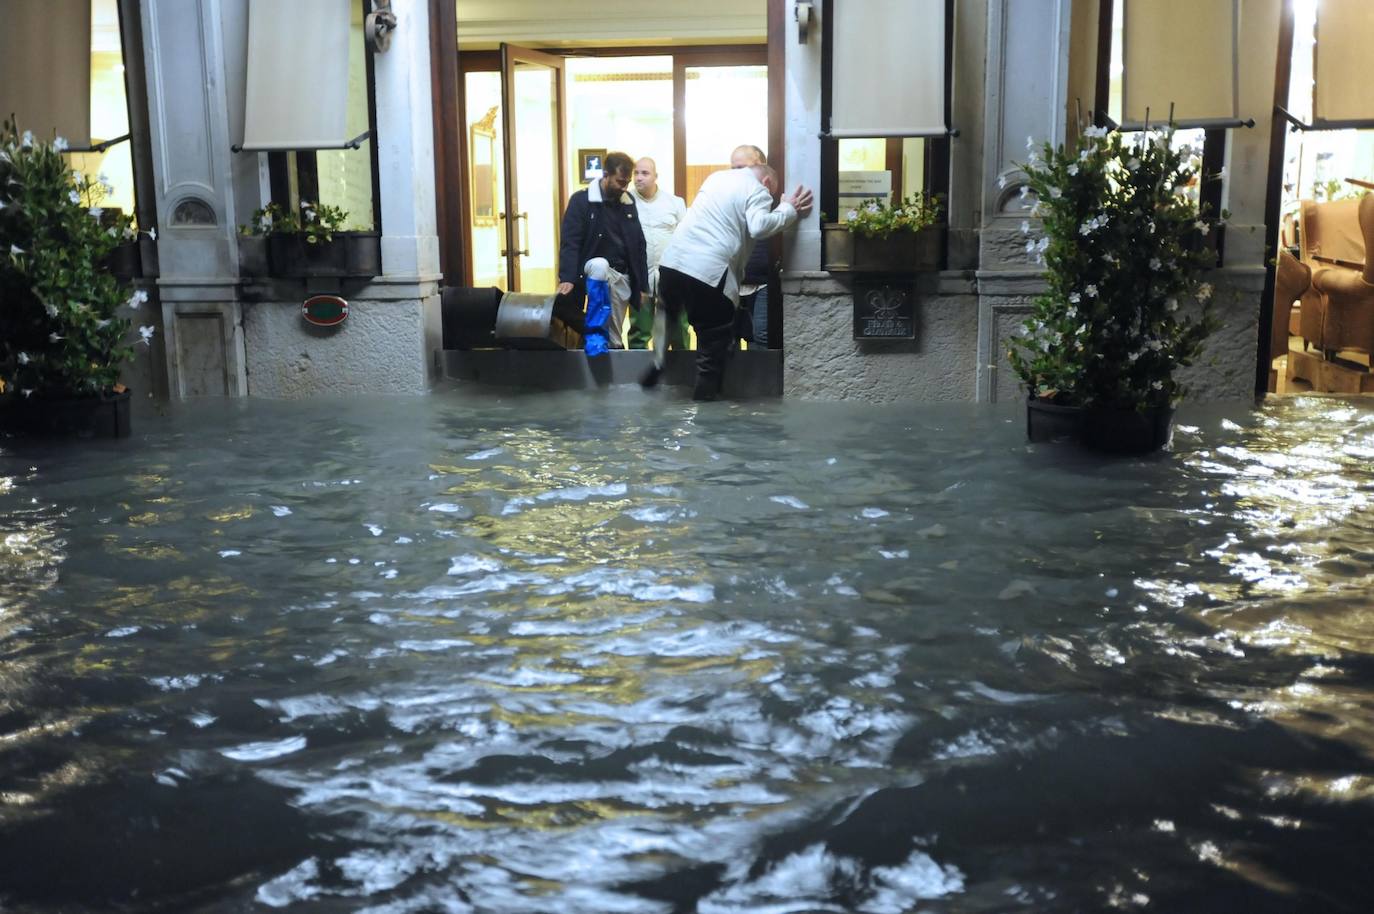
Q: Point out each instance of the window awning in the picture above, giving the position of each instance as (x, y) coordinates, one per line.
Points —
(888, 68)
(1342, 89)
(1180, 53)
(297, 94)
(45, 68)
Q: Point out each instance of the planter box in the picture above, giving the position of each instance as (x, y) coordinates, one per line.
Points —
(901, 252)
(253, 261)
(102, 416)
(350, 254)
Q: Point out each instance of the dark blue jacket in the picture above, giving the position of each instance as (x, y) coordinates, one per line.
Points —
(583, 227)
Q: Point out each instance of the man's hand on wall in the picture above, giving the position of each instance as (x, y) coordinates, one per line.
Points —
(801, 200)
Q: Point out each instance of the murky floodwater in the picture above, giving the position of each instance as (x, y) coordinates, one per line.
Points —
(619, 653)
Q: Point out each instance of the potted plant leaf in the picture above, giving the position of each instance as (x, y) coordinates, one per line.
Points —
(1126, 306)
(62, 341)
(309, 242)
(902, 237)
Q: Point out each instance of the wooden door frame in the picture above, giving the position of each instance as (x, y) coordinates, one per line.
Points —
(512, 54)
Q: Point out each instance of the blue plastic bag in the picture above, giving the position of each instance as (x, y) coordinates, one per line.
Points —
(598, 315)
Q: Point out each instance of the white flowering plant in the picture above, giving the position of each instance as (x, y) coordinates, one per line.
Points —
(878, 219)
(316, 221)
(1119, 238)
(60, 331)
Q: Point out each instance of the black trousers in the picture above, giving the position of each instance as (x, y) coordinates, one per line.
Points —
(713, 318)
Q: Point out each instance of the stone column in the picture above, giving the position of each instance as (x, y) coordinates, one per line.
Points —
(1027, 84)
(188, 126)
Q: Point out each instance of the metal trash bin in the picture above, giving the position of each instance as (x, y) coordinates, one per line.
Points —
(469, 316)
(535, 320)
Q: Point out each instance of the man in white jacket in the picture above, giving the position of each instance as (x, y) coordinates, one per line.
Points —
(702, 266)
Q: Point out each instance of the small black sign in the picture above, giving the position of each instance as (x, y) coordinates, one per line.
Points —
(884, 310)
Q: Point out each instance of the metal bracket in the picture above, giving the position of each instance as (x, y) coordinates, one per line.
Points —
(379, 25)
(803, 12)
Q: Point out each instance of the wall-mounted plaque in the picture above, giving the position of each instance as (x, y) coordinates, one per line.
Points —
(884, 309)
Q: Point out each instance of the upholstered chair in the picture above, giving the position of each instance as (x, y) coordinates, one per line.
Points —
(1348, 294)
(1291, 281)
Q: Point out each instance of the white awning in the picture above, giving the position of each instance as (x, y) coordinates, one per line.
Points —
(45, 68)
(297, 95)
(1342, 89)
(1181, 53)
(888, 68)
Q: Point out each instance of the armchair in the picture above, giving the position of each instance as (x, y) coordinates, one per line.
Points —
(1347, 293)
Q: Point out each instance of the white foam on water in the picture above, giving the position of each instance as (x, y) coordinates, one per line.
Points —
(177, 683)
(486, 454)
(639, 585)
(123, 632)
(799, 882)
(874, 680)
(403, 541)
(918, 878)
(291, 886)
(790, 501)
(318, 705)
(262, 751)
(229, 553)
(559, 626)
(438, 644)
(281, 510)
(524, 677)
(652, 515)
(373, 529)
(201, 719)
(1001, 697)
(582, 493)
(874, 513)
(895, 553)
(467, 564)
(446, 508)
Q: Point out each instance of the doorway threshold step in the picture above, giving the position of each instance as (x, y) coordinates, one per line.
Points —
(751, 373)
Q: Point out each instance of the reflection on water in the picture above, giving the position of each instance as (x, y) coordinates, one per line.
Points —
(605, 653)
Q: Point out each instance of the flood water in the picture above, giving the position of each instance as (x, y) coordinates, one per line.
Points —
(615, 652)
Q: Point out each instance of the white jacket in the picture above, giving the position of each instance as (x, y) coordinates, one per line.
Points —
(731, 211)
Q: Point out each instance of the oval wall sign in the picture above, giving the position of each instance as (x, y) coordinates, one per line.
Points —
(324, 310)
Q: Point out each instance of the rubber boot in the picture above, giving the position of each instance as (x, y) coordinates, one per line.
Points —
(714, 347)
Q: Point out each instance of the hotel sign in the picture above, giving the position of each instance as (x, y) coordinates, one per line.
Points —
(884, 309)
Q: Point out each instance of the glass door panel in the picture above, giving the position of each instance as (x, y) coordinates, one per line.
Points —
(486, 180)
(532, 86)
(726, 106)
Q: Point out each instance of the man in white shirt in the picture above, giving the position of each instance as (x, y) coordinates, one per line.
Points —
(659, 215)
(701, 268)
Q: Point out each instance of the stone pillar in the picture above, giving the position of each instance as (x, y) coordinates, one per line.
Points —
(188, 126)
(1026, 85)
(391, 340)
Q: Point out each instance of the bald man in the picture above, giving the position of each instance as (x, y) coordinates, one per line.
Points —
(701, 268)
(659, 215)
(753, 293)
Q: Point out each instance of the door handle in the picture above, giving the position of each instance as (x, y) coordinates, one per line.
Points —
(525, 251)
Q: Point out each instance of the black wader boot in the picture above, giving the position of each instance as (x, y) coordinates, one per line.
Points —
(714, 347)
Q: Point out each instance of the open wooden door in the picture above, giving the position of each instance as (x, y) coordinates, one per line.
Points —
(532, 99)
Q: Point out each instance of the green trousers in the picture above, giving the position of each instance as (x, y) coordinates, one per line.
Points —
(642, 329)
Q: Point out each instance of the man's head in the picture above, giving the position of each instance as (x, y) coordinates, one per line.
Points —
(747, 155)
(767, 177)
(615, 174)
(646, 177)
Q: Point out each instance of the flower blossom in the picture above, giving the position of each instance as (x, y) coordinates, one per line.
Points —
(96, 212)
(27, 139)
(1171, 305)
(1073, 168)
(15, 250)
(55, 337)
(1095, 132)
(60, 144)
(24, 358)
(74, 196)
(137, 298)
(1202, 227)
(1204, 291)
(1154, 263)
(146, 334)
(1025, 226)
(1075, 298)
(1091, 290)
(1055, 193)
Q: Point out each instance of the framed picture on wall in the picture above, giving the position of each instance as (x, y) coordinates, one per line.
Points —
(589, 163)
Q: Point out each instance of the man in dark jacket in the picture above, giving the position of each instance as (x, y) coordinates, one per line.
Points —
(601, 221)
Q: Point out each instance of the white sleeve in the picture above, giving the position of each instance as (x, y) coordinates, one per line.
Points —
(765, 221)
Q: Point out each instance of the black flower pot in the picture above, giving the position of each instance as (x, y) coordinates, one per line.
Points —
(99, 416)
(1126, 430)
(356, 254)
(1046, 421)
(253, 262)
